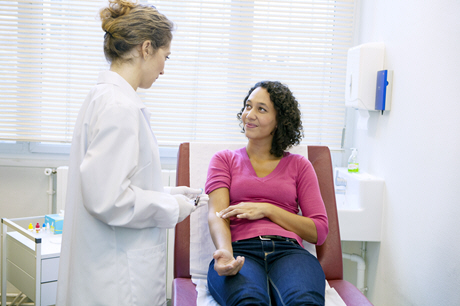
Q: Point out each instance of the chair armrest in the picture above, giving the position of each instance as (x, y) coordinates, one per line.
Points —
(183, 292)
(349, 293)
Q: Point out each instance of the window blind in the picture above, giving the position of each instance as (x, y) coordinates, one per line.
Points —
(51, 53)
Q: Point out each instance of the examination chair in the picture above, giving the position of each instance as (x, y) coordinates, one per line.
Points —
(329, 254)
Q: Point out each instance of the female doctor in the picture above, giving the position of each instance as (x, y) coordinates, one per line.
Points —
(113, 245)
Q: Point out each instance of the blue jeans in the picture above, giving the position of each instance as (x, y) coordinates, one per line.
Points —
(274, 273)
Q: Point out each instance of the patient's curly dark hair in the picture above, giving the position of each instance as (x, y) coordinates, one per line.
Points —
(289, 131)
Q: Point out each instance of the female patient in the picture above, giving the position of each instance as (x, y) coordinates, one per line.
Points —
(254, 196)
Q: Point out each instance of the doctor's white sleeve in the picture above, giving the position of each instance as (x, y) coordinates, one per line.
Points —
(110, 161)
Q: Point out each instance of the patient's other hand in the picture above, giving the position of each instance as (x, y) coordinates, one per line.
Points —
(246, 210)
(225, 264)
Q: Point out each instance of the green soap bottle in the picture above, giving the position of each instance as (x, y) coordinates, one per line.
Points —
(353, 165)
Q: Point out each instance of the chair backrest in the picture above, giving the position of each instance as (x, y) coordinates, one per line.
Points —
(329, 254)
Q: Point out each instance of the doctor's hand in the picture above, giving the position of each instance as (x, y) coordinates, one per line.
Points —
(201, 200)
(191, 193)
(225, 264)
(186, 206)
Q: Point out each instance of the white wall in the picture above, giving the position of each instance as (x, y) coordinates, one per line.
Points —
(415, 147)
(24, 185)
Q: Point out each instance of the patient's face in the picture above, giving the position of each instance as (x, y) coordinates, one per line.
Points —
(259, 115)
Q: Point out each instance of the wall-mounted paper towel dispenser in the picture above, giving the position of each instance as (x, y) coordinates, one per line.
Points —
(363, 62)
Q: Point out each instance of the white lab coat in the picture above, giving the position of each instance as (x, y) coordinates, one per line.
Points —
(116, 213)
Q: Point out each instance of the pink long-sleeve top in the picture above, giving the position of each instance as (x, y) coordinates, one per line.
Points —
(292, 185)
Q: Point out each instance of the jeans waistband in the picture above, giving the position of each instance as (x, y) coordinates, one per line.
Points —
(275, 238)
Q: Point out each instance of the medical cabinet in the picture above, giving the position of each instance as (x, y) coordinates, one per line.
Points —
(30, 260)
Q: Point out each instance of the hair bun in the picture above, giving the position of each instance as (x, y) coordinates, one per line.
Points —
(117, 8)
(127, 24)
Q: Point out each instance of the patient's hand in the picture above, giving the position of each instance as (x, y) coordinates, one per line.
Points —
(225, 264)
(246, 210)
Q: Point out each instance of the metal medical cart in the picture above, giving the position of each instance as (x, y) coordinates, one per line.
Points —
(30, 260)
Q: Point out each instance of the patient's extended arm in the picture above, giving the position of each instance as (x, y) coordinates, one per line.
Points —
(225, 263)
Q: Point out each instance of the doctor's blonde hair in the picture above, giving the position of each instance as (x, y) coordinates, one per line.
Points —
(127, 25)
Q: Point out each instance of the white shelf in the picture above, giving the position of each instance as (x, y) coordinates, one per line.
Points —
(359, 206)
